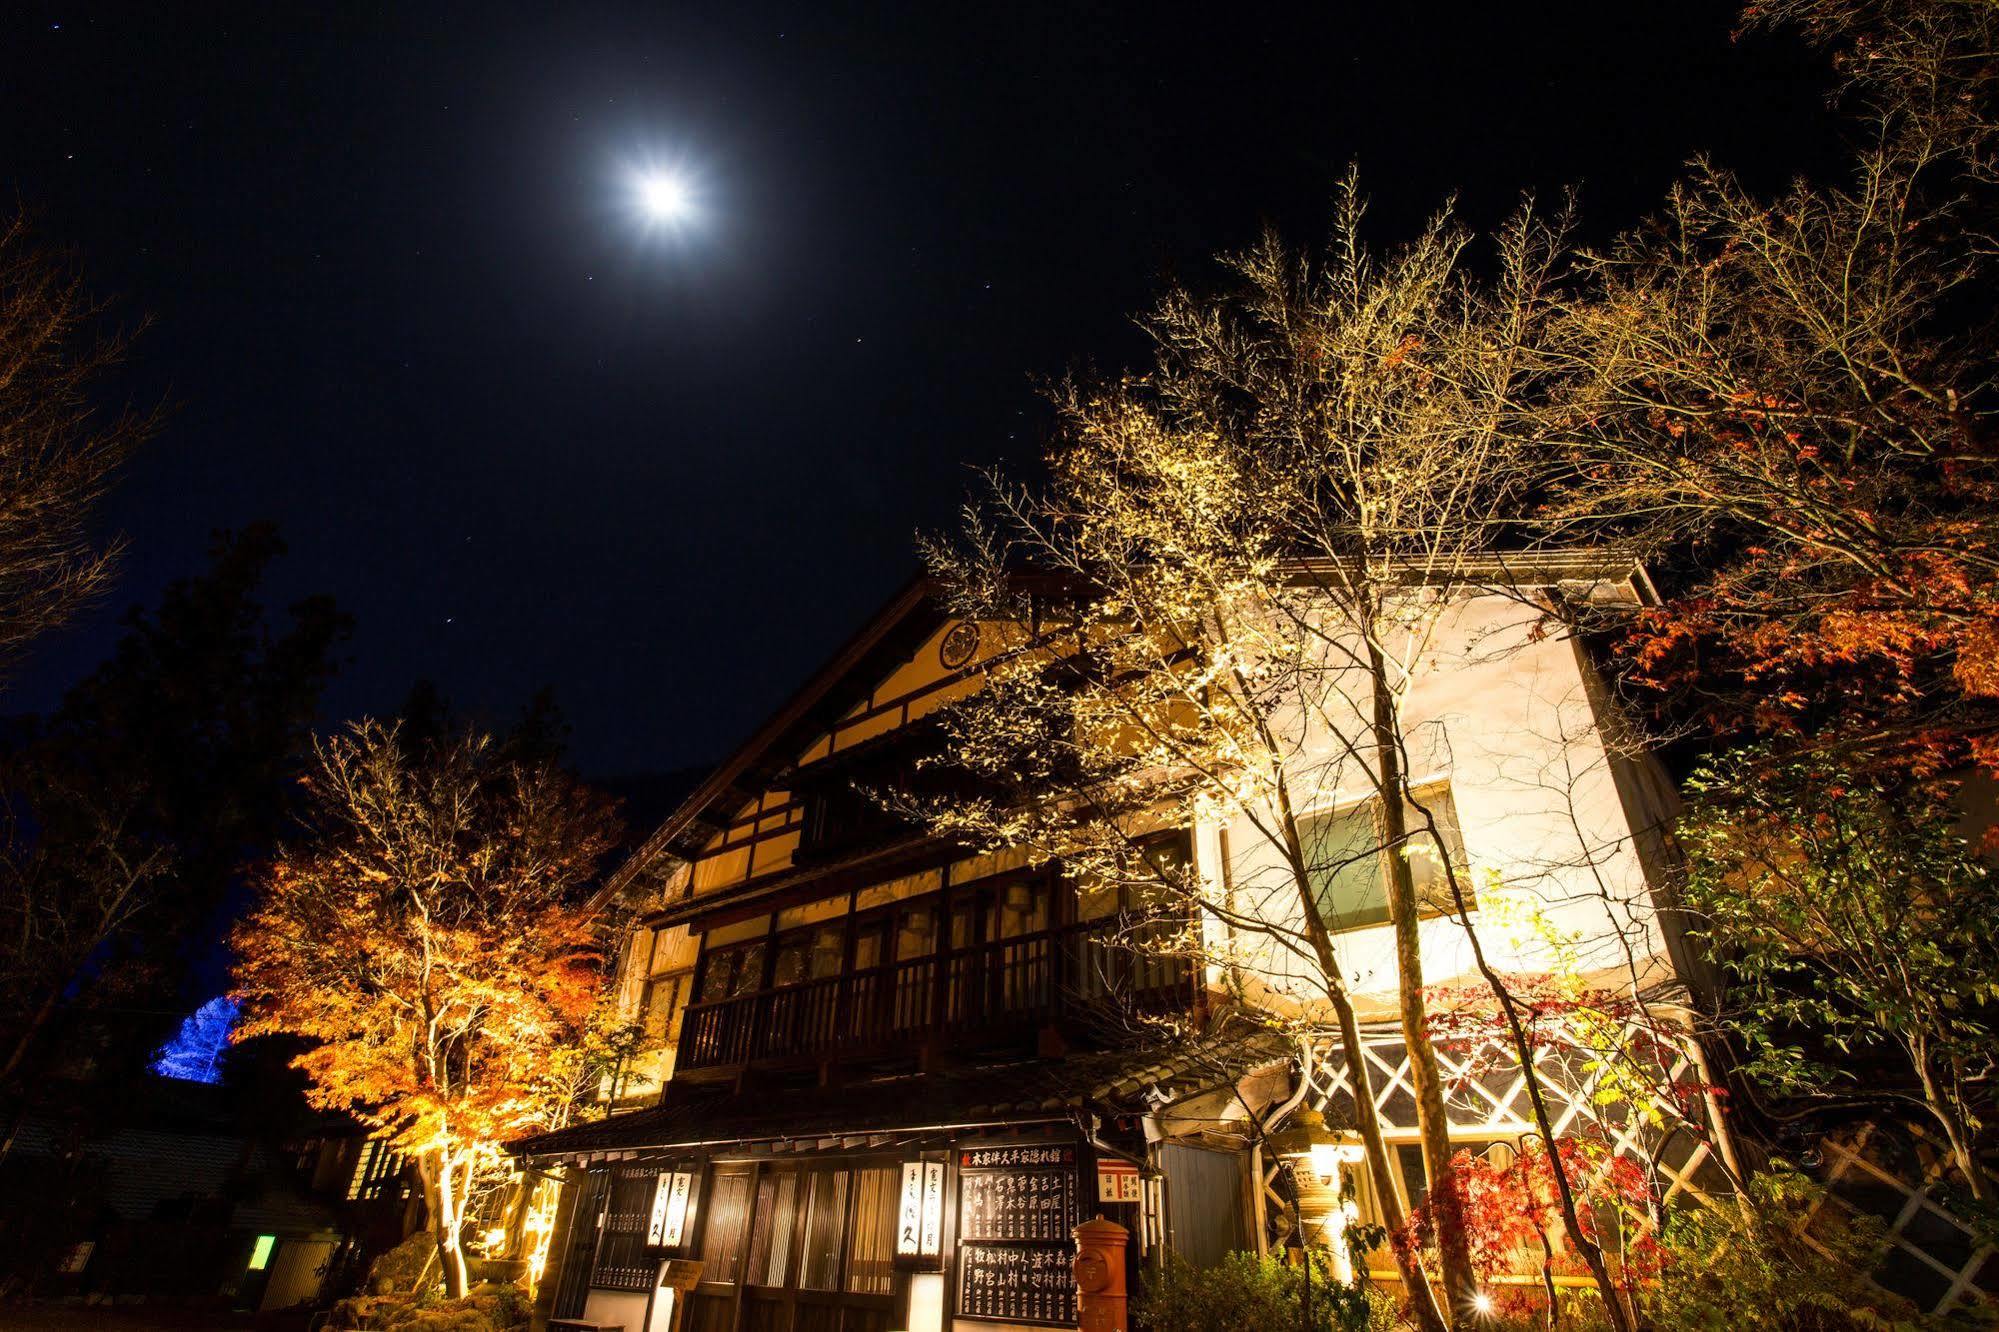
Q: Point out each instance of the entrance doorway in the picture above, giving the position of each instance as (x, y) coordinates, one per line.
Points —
(799, 1247)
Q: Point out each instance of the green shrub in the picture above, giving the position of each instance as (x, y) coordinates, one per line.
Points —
(1247, 1293)
(1749, 1270)
(409, 1268)
(488, 1308)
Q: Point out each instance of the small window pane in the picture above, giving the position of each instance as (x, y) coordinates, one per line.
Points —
(1343, 855)
(916, 933)
(1415, 1179)
(749, 969)
(828, 943)
(789, 969)
(673, 949)
(718, 976)
(1017, 909)
(656, 1009)
(643, 947)
(1343, 851)
(1426, 865)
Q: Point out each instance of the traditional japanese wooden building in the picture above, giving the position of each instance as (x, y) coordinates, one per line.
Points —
(888, 1077)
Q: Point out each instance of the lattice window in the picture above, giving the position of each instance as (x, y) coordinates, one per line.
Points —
(1486, 1096)
(1898, 1173)
(622, 1262)
(376, 1171)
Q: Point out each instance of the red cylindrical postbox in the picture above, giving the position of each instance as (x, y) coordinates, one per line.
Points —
(1099, 1268)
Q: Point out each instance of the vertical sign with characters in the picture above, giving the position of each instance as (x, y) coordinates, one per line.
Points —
(667, 1225)
(909, 1215)
(933, 1209)
(919, 1226)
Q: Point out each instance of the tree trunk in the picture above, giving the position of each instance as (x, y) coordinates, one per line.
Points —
(1408, 1263)
(1944, 1109)
(1446, 1204)
(28, 1035)
(446, 1208)
(520, 1197)
(1622, 1317)
(1618, 1310)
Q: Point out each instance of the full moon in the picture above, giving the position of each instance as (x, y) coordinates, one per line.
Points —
(664, 197)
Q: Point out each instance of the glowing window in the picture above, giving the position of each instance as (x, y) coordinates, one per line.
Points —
(261, 1255)
(1343, 852)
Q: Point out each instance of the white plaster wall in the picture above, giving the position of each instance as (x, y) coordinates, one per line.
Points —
(662, 1310)
(1504, 715)
(926, 1302)
(617, 1306)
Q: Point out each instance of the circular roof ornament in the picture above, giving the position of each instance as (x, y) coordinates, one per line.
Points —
(959, 646)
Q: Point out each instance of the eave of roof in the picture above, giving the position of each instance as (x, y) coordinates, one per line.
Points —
(1016, 1092)
(766, 891)
(800, 718)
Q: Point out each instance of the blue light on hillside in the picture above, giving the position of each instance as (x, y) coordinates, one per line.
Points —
(195, 1055)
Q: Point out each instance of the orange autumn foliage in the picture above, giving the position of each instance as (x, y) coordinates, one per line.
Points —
(427, 938)
(1788, 401)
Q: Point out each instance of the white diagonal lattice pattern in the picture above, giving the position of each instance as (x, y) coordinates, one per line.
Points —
(1898, 1173)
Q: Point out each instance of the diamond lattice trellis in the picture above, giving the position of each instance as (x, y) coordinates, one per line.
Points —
(1901, 1173)
(1897, 1172)
(1485, 1094)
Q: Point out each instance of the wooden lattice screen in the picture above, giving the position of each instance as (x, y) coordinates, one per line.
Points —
(1897, 1173)
(1900, 1173)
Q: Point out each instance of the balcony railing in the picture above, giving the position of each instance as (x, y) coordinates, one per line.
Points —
(964, 993)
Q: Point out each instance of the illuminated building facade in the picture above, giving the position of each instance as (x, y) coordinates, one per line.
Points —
(887, 1077)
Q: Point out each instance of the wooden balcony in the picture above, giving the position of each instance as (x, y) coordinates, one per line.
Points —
(963, 996)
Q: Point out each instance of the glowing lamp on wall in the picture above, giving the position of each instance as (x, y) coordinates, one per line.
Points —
(667, 1226)
(919, 1227)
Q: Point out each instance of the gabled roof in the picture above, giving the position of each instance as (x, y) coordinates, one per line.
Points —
(913, 613)
(895, 631)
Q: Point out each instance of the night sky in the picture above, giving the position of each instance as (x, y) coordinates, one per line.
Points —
(405, 305)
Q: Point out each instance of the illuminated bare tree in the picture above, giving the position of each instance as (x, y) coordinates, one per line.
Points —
(1791, 398)
(1220, 602)
(57, 454)
(74, 880)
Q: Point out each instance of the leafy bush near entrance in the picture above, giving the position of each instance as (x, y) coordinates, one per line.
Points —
(1746, 1267)
(1750, 1270)
(1248, 1293)
(408, 1269)
(490, 1308)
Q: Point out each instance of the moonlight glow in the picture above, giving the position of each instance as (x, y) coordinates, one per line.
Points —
(664, 197)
